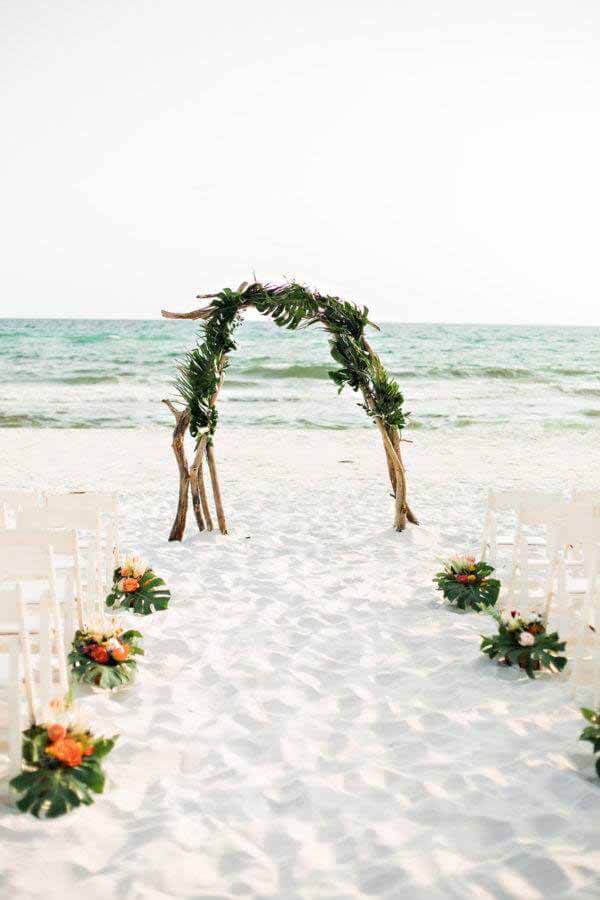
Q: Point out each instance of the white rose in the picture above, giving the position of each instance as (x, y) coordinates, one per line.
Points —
(526, 639)
(134, 566)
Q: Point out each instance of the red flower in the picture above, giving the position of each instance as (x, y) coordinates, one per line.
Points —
(100, 654)
(462, 579)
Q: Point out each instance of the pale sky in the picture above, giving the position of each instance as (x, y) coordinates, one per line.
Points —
(435, 161)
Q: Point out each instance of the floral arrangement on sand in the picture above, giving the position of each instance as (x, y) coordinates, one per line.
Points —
(591, 732)
(62, 763)
(523, 640)
(138, 588)
(467, 583)
(103, 656)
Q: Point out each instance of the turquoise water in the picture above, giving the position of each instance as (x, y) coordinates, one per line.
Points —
(86, 373)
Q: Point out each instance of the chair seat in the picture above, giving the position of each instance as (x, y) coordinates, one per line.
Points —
(577, 585)
(9, 629)
(532, 540)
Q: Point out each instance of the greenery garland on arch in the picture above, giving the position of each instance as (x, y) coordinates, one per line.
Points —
(202, 372)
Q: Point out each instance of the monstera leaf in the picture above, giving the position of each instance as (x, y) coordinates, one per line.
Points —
(50, 789)
(151, 596)
(109, 675)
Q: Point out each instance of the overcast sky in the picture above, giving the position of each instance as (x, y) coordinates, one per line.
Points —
(436, 161)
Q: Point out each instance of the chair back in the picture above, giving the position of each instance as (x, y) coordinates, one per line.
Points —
(580, 524)
(106, 504)
(13, 622)
(514, 499)
(15, 501)
(56, 516)
(584, 650)
(14, 639)
(63, 542)
(75, 510)
(541, 509)
(586, 497)
(25, 555)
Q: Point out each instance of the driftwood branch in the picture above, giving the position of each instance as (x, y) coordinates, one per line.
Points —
(204, 313)
(198, 488)
(182, 421)
(195, 314)
(212, 466)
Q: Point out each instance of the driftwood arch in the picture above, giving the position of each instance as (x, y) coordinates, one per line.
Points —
(201, 377)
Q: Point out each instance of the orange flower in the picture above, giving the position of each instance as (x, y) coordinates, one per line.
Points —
(121, 653)
(66, 751)
(56, 733)
(130, 585)
(88, 750)
(100, 654)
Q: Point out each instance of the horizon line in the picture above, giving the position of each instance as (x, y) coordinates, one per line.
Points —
(527, 324)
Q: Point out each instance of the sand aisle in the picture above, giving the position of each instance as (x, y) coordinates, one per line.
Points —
(308, 722)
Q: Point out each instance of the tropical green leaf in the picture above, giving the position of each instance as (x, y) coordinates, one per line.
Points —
(53, 789)
(481, 594)
(290, 306)
(545, 650)
(152, 595)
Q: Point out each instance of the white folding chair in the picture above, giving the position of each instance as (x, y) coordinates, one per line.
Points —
(575, 553)
(533, 571)
(83, 596)
(26, 559)
(104, 505)
(14, 502)
(586, 498)
(511, 502)
(584, 648)
(15, 645)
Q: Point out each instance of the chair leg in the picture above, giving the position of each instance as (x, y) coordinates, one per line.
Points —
(45, 652)
(14, 708)
(69, 603)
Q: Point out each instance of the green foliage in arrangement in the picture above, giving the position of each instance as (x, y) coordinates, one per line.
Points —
(150, 595)
(467, 583)
(591, 732)
(526, 643)
(60, 772)
(290, 306)
(105, 659)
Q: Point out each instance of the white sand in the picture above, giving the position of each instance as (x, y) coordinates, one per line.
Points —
(309, 722)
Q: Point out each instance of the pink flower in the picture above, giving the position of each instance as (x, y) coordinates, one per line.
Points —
(526, 639)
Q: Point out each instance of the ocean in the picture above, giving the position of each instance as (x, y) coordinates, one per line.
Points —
(87, 373)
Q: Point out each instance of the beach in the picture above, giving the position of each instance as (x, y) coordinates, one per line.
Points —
(309, 720)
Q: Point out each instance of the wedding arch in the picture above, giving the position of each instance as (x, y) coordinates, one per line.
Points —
(202, 372)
